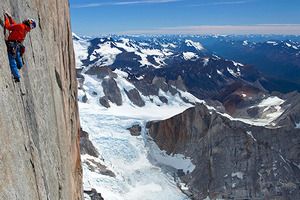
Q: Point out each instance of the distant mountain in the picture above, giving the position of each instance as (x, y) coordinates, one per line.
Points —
(277, 58)
(242, 144)
(236, 160)
(203, 74)
(133, 56)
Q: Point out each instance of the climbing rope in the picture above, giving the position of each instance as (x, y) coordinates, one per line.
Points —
(30, 142)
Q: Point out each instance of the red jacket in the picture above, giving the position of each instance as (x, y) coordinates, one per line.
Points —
(19, 31)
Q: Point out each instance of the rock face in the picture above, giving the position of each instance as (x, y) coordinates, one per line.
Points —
(233, 160)
(94, 195)
(39, 155)
(111, 91)
(135, 97)
(238, 97)
(86, 146)
(135, 130)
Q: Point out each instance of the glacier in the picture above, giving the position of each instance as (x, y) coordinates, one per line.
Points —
(142, 170)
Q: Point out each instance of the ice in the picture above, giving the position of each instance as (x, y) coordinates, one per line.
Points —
(205, 61)
(197, 45)
(107, 53)
(271, 101)
(245, 42)
(238, 175)
(219, 72)
(272, 42)
(190, 55)
(155, 52)
(250, 133)
(137, 162)
(235, 74)
(176, 161)
(298, 125)
(237, 64)
(121, 73)
(125, 155)
(81, 50)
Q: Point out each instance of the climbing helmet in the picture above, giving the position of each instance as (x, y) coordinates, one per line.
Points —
(31, 23)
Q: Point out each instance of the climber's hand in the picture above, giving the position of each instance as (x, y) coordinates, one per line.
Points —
(7, 15)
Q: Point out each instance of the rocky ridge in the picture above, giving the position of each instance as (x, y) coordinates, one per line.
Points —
(233, 160)
(203, 73)
(117, 88)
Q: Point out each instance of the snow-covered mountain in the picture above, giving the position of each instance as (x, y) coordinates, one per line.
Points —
(134, 167)
(280, 58)
(204, 74)
(128, 166)
(131, 56)
(133, 159)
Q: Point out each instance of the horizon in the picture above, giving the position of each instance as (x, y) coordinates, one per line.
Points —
(94, 17)
(183, 35)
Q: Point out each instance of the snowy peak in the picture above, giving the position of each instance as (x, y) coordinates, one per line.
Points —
(204, 74)
(196, 45)
(130, 55)
(103, 87)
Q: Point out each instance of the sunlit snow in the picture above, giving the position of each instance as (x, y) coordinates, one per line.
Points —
(197, 45)
(238, 175)
(81, 50)
(190, 55)
(205, 61)
(136, 161)
(235, 74)
(272, 42)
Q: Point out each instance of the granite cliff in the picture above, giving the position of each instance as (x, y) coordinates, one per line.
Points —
(39, 132)
(233, 160)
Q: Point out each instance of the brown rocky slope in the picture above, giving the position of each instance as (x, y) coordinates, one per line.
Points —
(39, 132)
(233, 160)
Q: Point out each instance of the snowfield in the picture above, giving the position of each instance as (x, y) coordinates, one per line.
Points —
(142, 170)
(137, 176)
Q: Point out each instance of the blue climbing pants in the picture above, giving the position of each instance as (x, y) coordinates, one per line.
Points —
(15, 61)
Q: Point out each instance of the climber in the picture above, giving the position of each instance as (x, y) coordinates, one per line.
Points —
(15, 47)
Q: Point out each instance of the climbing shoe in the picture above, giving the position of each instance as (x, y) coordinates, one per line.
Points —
(17, 80)
(19, 67)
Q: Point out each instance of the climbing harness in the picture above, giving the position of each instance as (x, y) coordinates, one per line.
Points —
(13, 45)
(30, 142)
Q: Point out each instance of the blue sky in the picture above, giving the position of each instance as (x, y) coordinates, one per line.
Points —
(95, 17)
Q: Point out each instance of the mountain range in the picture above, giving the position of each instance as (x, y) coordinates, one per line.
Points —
(232, 145)
(171, 58)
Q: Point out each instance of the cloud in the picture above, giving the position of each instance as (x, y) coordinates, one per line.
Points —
(288, 29)
(122, 3)
(278, 24)
(222, 3)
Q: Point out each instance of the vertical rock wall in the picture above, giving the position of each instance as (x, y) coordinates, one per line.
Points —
(39, 134)
(233, 160)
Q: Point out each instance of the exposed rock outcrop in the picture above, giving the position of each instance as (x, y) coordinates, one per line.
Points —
(94, 195)
(93, 165)
(135, 97)
(104, 102)
(86, 146)
(135, 130)
(39, 154)
(233, 160)
(237, 97)
(112, 91)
